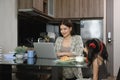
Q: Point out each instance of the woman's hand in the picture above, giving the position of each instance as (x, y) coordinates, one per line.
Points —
(59, 54)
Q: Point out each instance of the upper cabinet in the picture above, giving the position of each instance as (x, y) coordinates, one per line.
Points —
(79, 8)
(35, 9)
(38, 4)
(51, 7)
(64, 8)
(28, 5)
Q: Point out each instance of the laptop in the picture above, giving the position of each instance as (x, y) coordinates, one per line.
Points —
(45, 50)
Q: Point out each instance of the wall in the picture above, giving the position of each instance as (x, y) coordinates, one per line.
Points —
(116, 35)
(8, 25)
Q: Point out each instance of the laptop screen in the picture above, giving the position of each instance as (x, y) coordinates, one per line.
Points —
(45, 50)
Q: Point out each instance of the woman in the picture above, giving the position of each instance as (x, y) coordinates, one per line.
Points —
(97, 55)
(69, 44)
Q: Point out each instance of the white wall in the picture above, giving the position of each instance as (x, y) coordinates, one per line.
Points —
(116, 36)
(8, 25)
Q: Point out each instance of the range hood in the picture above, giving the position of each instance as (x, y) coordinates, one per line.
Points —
(35, 14)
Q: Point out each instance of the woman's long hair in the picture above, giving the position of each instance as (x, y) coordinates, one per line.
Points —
(96, 47)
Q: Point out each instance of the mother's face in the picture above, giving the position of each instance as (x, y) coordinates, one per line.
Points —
(65, 30)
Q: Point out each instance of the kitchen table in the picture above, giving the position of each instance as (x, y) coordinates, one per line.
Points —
(6, 67)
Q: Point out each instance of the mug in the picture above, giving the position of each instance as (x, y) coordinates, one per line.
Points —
(31, 53)
(30, 60)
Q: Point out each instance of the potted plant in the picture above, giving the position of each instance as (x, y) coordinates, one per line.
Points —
(20, 51)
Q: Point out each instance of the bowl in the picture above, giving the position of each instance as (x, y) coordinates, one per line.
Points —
(19, 56)
(79, 59)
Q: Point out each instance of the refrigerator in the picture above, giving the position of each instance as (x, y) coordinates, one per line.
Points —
(91, 28)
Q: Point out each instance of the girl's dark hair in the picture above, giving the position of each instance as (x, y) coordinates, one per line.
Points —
(69, 24)
(96, 47)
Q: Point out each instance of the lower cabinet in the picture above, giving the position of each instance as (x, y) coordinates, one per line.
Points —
(5, 72)
(27, 73)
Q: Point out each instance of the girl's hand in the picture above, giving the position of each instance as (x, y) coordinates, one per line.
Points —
(86, 59)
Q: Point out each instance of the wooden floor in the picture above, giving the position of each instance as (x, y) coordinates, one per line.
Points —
(111, 78)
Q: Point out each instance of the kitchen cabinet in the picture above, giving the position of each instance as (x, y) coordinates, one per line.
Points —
(51, 8)
(93, 8)
(24, 4)
(35, 9)
(62, 8)
(79, 8)
(38, 4)
(28, 5)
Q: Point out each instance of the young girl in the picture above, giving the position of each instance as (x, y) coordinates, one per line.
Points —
(97, 55)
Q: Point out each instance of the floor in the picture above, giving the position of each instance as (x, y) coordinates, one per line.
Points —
(110, 78)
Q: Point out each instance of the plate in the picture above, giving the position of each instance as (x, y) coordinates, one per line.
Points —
(67, 61)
